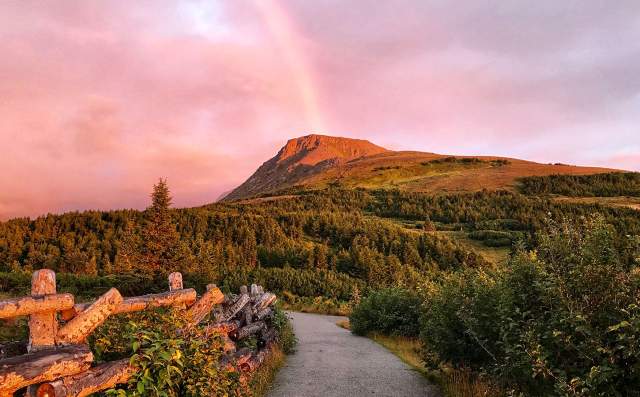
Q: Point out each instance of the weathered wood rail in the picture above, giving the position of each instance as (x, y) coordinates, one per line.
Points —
(59, 363)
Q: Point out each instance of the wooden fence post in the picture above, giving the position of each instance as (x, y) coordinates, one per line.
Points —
(175, 281)
(43, 327)
(79, 328)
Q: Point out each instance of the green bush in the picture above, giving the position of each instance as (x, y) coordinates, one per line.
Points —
(561, 320)
(171, 360)
(392, 311)
(286, 338)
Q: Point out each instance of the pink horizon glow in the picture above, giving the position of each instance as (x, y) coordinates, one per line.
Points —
(100, 99)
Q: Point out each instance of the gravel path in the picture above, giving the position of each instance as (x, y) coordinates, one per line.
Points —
(330, 361)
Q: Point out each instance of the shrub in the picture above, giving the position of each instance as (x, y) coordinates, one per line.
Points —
(286, 338)
(445, 326)
(562, 320)
(392, 311)
(169, 360)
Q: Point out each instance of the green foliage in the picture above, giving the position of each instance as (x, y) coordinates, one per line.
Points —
(501, 211)
(14, 330)
(495, 238)
(171, 360)
(314, 232)
(286, 338)
(300, 282)
(160, 245)
(129, 284)
(562, 320)
(599, 185)
(317, 304)
(392, 311)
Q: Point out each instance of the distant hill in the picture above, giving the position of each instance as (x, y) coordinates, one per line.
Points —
(317, 161)
(302, 158)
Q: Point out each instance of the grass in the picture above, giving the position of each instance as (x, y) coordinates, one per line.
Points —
(264, 376)
(414, 171)
(407, 349)
(461, 383)
(452, 382)
(619, 201)
(496, 255)
(344, 324)
(14, 329)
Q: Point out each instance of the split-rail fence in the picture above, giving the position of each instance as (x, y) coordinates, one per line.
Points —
(57, 361)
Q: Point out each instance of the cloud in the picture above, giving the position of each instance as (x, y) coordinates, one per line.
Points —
(99, 99)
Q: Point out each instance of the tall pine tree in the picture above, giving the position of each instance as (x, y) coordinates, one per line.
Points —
(160, 248)
(128, 253)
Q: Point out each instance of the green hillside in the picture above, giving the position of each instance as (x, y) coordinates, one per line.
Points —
(373, 237)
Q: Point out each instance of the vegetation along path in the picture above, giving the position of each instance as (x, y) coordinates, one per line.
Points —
(330, 361)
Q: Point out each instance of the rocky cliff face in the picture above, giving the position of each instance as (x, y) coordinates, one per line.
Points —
(302, 158)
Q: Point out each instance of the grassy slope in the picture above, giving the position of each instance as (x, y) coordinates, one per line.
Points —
(495, 255)
(408, 171)
(620, 201)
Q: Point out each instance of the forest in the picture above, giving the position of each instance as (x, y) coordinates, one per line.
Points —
(349, 235)
(596, 185)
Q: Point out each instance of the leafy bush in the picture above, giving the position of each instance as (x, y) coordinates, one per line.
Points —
(286, 338)
(561, 320)
(174, 360)
(170, 360)
(392, 311)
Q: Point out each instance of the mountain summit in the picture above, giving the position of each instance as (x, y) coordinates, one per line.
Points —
(314, 149)
(301, 158)
(318, 161)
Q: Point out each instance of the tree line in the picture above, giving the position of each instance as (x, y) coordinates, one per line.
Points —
(596, 185)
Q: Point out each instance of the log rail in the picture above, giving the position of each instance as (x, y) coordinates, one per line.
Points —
(59, 363)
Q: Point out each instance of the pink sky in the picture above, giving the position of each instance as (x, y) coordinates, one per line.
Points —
(98, 99)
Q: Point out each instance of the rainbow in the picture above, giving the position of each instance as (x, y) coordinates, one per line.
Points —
(285, 33)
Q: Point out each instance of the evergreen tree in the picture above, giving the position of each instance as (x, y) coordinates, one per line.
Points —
(107, 267)
(160, 249)
(128, 252)
(91, 267)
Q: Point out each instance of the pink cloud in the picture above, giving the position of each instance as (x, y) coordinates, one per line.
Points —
(99, 99)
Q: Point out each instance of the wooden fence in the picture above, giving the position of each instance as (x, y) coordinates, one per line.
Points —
(58, 362)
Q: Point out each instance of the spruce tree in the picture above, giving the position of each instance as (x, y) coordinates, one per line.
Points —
(107, 266)
(91, 267)
(160, 249)
(128, 250)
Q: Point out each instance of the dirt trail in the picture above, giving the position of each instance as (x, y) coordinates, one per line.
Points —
(330, 361)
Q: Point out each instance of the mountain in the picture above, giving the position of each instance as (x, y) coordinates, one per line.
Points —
(317, 161)
(302, 158)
